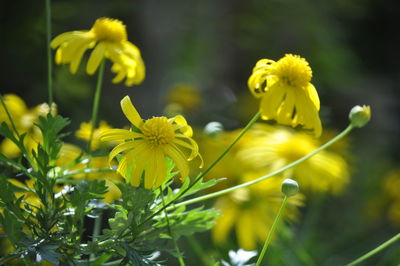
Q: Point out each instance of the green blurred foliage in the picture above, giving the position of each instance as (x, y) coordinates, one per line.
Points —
(352, 47)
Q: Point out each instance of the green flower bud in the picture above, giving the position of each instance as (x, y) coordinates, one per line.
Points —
(360, 115)
(290, 187)
(213, 128)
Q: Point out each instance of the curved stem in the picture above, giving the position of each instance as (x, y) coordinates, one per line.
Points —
(96, 102)
(224, 191)
(180, 259)
(375, 250)
(271, 231)
(201, 175)
(49, 57)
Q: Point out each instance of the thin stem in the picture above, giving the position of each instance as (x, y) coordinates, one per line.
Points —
(198, 250)
(225, 191)
(271, 231)
(96, 231)
(96, 102)
(180, 259)
(49, 57)
(375, 250)
(201, 175)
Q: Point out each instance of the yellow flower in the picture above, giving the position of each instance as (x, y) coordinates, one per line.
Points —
(251, 212)
(85, 129)
(24, 120)
(286, 93)
(273, 147)
(109, 39)
(147, 147)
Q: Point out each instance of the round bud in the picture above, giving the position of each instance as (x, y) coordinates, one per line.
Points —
(290, 187)
(360, 115)
(213, 128)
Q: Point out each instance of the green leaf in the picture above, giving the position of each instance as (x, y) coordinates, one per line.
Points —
(185, 223)
(12, 226)
(51, 126)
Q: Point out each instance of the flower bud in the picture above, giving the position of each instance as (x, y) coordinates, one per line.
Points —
(290, 187)
(213, 128)
(360, 115)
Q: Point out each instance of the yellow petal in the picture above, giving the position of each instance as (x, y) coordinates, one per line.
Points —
(151, 169)
(161, 169)
(121, 148)
(312, 93)
(78, 57)
(119, 135)
(178, 159)
(95, 58)
(225, 222)
(130, 112)
(244, 231)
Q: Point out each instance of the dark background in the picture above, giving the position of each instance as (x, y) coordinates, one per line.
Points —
(352, 47)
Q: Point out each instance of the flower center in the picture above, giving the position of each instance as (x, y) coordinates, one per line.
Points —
(293, 70)
(107, 29)
(158, 131)
(295, 147)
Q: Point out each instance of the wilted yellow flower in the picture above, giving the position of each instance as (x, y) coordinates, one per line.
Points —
(286, 93)
(274, 147)
(85, 129)
(109, 39)
(251, 211)
(24, 120)
(147, 146)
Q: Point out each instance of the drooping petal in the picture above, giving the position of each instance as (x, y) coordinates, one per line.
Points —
(119, 135)
(179, 161)
(183, 125)
(95, 58)
(121, 148)
(161, 169)
(244, 230)
(151, 170)
(225, 222)
(312, 93)
(130, 112)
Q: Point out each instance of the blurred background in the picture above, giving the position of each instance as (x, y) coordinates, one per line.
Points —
(199, 55)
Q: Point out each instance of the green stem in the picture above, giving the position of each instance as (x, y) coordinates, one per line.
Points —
(49, 57)
(96, 102)
(271, 231)
(96, 232)
(225, 191)
(201, 175)
(180, 259)
(375, 250)
(198, 250)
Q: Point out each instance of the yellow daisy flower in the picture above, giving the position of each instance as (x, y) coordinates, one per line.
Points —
(85, 129)
(251, 211)
(109, 39)
(286, 93)
(273, 147)
(147, 146)
(24, 120)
